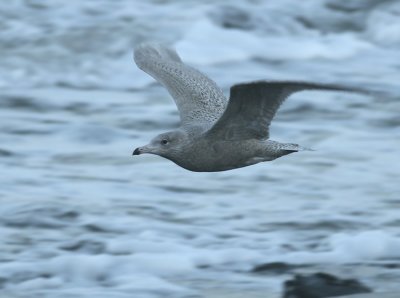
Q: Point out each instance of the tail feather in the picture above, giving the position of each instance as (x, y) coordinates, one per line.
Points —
(294, 148)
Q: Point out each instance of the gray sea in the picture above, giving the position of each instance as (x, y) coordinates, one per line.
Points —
(81, 217)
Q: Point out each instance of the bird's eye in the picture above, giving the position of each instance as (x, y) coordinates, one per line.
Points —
(164, 141)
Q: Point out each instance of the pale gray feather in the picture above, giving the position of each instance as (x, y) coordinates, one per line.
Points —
(197, 97)
(253, 105)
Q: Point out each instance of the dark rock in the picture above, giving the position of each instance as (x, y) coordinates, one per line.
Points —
(320, 285)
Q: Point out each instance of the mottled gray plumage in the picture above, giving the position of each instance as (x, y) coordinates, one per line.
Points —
(197, 97)
(216, 134)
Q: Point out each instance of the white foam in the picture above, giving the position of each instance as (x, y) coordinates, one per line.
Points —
(351, 248)
(94, 56)
(196, 46)
(383, 25)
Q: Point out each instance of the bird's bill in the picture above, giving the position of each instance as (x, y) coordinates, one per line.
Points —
(136, 151)
(141, 150)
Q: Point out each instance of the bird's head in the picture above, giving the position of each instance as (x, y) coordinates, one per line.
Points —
(167, 145)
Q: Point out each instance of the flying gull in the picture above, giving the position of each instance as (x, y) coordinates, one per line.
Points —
(217, 134)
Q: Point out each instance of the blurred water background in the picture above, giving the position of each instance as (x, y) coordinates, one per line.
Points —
(80, 217)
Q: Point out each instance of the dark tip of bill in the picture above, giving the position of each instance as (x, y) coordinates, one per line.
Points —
(136, 151)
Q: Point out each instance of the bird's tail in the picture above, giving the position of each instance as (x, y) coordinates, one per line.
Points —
(290, 148)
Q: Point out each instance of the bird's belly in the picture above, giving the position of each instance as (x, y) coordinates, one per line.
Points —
(222, 156)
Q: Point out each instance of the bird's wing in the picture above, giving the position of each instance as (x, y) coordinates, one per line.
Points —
(197, 97)
(252, 106)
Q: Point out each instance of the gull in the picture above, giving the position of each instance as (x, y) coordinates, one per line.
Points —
(217, 134)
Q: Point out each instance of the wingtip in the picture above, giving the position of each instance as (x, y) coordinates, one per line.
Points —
(304, 86)
(143, 51)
